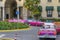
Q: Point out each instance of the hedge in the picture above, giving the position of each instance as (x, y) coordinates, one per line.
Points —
(56, 20)
(11, 26)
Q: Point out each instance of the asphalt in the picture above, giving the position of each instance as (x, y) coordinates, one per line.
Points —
(23, 35)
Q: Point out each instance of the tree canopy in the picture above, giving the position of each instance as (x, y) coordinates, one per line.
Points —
(33, 6)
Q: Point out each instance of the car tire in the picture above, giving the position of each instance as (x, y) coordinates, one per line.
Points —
(47, 39)
(41, 38)
(53, 39)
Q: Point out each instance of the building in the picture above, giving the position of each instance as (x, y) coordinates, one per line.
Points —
(50, 8)
(8, 9)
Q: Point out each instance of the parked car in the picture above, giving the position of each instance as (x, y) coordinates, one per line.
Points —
(47, 31)
(58, 30)
(35, 23)
(57, 27)
(15, 20)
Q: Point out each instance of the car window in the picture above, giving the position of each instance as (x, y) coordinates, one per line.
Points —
(42, 27)
(49, 26)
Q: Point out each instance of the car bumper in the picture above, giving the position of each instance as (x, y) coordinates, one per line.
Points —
(46, 36)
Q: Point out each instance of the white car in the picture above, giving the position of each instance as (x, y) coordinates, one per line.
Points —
(47, 31)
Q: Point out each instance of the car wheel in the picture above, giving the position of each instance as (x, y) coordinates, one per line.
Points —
(52, 38)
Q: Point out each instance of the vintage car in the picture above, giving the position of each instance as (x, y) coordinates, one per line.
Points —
(57, 27)
(35, 23)
(47, 31)
(58, 30)
(15, 20)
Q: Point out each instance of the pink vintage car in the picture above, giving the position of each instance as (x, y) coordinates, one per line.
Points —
(15, 20)
(58, 30)
(47, 31)
(35, 23)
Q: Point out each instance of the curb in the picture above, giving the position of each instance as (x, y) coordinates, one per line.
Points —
(15, 30)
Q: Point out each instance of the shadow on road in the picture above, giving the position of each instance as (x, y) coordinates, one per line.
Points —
(47, 39)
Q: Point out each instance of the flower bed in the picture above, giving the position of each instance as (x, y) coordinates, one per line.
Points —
(12, 25)
(15, 20)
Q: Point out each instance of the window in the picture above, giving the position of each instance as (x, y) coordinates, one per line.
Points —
(49, 10)
(49, 13)
(58, 13)
(1, 12)
(58, 10)
(49, 0)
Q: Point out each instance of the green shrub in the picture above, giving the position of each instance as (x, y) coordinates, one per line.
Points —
(54, 19)
(10, 26)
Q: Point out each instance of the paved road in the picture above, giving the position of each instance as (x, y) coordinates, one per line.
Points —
(23, 35)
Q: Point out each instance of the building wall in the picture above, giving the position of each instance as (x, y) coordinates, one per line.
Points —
(45, 3)
(19, 4)
(1, 9)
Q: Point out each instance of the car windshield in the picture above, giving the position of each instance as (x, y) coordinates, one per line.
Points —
(48, 27)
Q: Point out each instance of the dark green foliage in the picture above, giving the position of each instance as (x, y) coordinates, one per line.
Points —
(34, 7)
(10, 26)
(54, 19)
